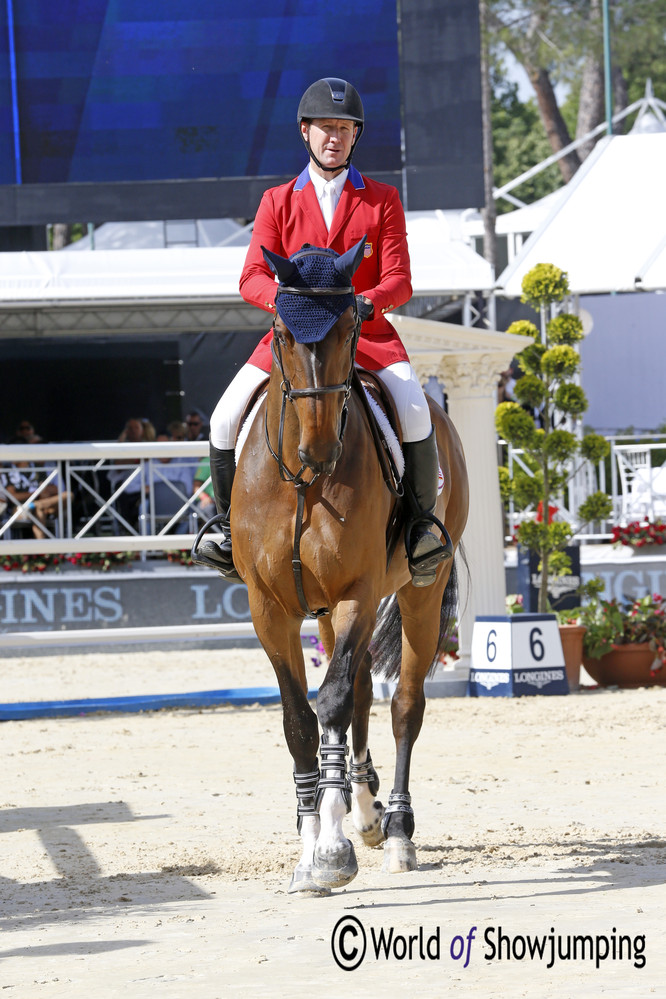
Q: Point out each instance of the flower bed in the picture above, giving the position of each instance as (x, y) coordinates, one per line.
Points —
(104, 561)
(637, 534)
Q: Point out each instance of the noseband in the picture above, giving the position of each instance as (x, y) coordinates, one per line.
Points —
(289, 393)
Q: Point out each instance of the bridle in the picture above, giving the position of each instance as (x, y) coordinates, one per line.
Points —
(288, 395)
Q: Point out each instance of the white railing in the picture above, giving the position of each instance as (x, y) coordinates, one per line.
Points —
(637, 486)
(94, 481)
(92, 478)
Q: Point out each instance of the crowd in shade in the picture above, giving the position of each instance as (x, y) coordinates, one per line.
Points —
(169, 478)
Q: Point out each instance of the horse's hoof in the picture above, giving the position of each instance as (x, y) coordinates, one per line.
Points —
(399, 855)
(372, 834)
(302, 883)
(333, 870)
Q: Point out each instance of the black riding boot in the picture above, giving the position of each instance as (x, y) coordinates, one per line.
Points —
(425, 550)
(217, 555)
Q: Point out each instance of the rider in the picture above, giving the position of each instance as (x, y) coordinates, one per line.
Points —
(331, 205)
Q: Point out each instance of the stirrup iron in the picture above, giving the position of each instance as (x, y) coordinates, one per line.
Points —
(203, 552)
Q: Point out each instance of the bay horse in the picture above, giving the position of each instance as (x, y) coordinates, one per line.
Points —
(310, 509)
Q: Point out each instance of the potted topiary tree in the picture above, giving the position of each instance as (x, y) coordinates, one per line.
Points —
(545, 423)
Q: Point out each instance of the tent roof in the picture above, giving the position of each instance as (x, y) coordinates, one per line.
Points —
(441, 264)
(111, 276)
(608, 224)
(441, 261)
(525, 219)
(159, 235)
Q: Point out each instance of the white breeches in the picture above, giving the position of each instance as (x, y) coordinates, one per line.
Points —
(399, 379)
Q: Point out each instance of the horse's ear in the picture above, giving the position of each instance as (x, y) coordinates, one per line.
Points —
(284, 268)
(348, 262)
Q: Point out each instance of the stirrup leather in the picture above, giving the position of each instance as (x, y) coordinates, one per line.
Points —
(200, 557)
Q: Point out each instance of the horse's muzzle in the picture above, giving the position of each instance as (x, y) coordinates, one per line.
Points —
(321, 466)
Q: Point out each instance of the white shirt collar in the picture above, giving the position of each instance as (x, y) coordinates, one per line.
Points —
(320, 183)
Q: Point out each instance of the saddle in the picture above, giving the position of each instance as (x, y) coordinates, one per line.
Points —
(364, 383)
(383, 422)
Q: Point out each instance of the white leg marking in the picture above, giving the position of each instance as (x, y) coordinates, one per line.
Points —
(332, 810)
(367, 812)
(309, 836)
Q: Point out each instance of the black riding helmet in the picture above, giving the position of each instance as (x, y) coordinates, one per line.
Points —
(331, 98)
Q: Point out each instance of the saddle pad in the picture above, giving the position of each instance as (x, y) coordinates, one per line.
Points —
(245, 429)
(388, 432)
(380, 416)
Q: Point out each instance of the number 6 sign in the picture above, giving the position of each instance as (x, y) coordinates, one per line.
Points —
(515, 655)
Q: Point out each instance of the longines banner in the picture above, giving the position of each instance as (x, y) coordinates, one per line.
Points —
(71, 600)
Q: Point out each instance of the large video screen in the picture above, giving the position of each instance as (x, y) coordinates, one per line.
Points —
(99, 91)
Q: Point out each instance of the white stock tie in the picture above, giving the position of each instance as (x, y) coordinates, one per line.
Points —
(328, 202)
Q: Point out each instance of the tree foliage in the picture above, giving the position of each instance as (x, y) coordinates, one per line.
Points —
(559, 44)
(549, 402)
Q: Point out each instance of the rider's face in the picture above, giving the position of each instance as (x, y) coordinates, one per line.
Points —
(331, 140)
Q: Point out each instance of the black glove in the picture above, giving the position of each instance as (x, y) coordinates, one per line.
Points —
(364, 308)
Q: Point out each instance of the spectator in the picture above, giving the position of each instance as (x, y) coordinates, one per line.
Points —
(135, 431)
(19, 482)
(505, 387)
(206, 498)
(177, 431)
(25, 434)
(197, 425)
(175, 469)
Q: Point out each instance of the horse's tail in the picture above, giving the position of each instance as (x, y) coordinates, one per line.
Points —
(386, 644)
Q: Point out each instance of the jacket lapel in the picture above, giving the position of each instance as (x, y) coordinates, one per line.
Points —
(306, 199)
(350, 199)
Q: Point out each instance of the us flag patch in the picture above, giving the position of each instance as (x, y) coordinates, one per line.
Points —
(367, 252)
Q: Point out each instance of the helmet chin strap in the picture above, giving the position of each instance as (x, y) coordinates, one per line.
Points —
(336, 169)
(321, 166)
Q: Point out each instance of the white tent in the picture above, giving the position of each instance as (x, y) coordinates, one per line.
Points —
(608, 225)
(442, 264)
(111, 275)
(161, 235)
(442, 261)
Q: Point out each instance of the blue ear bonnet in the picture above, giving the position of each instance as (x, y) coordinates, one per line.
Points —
(310, 317)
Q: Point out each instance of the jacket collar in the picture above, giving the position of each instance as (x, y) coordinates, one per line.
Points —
(354, 177)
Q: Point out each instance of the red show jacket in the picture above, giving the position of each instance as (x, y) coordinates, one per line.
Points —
(290, 216)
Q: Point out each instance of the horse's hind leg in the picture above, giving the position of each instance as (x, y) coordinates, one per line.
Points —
(334, 857)
(367, 811)
(420, 611)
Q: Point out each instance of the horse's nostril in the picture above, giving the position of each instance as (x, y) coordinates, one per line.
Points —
(320, 467)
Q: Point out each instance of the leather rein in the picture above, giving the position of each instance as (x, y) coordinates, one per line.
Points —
(288, 395)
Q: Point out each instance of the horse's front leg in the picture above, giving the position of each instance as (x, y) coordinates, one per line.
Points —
(280, 637)
(334, 862)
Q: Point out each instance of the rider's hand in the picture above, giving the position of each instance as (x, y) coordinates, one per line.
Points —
(364, 307)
